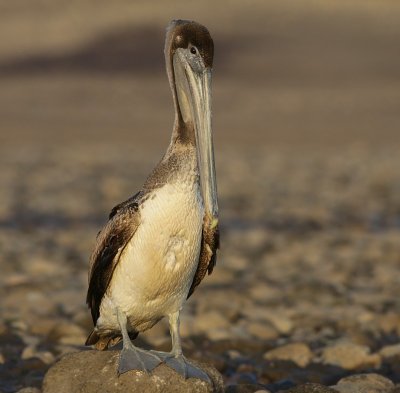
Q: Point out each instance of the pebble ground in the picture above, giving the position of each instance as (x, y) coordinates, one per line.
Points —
(306, 289)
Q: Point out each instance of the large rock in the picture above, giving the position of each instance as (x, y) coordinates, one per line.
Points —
(95, 371)
(350, 356)
(365, 383)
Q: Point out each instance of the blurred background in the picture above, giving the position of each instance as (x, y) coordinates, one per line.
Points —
(288, 73)
(306, 115)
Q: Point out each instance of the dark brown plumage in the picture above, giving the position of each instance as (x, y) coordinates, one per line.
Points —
(208, 254)
(111, 241)
(191, 33)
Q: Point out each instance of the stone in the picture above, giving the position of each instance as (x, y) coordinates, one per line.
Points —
(246, 388)
(29, 390)
(217, 334)
(298, 353)
(350, 356)
(277, 319)
(42, 325)
(211, 320)
(238, 263)
(39, 303)
(93, 371)
(390, 351)
(158, 334)
(68, 334)
(30, 352)
(262, 330)
(309, 388)
(282, 323)
(389, 323)
(364, 383)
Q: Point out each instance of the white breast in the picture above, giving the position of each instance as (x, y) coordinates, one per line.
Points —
(157, 267)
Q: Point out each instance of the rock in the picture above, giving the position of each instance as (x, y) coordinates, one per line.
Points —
(42, 325)
(219, 334)
(260, 292)
(243, 377)
(29, 390)
(214, 324)
(262, 330)
(389, 323)
(94, 371)
(246, 388)
(158, 334)
(350, 356)
(309, 388)
(39, 303)
(282, 323)
(276, 319)
(211, 320)
(28, 352)
(298, 353)
(20, 325)
(30, 340)
(68, 334)
(390, 351)
(31, 352)
(364, 383)
(238, 263)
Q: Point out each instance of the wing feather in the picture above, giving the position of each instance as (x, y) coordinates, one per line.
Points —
(208, 255)
(110, 243)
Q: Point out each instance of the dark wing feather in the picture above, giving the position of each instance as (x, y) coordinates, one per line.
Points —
(111, 241)
(130, 202)
(208, 255)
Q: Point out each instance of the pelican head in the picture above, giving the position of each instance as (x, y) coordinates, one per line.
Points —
(189, 52)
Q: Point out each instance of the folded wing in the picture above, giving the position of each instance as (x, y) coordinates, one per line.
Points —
(111, 241)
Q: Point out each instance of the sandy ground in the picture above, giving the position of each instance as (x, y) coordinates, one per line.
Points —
(306, 120)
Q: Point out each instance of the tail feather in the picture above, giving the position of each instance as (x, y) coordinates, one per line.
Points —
(103, 342)
(92, 338)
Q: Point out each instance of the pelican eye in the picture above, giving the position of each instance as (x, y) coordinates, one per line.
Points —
(193, 50)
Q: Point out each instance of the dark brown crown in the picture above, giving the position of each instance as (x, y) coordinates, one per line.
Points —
(184, 33)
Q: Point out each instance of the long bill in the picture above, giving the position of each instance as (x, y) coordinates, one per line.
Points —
(196, 95)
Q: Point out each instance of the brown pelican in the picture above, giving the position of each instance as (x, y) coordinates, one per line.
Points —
(158, 245)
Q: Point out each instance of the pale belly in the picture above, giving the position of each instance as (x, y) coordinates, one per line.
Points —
(157, 266)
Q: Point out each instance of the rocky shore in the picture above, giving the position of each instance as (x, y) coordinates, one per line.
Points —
(305, 296)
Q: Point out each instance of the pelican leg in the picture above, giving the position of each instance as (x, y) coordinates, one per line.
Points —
(175, 358)
(131, 357)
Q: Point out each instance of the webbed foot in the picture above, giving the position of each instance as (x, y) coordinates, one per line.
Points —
(132, 358)
(162, 355)
(183, 367)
